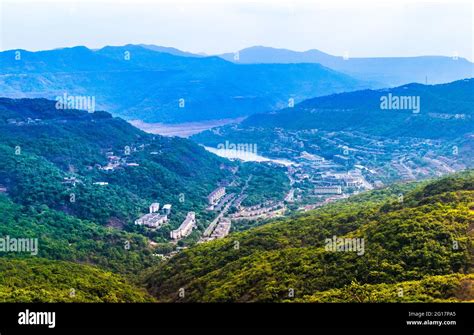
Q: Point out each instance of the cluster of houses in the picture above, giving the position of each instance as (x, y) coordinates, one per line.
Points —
(221, 230)
(332, 183)
(328, 190)
(71, 181)
(74, 180)
(115, 162)
(267, 207)
(185, 228)
(155, 219)
(215, 196)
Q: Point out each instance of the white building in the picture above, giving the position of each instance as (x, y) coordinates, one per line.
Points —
(154, 207)
(353, 182)
(185, 228)
(152, 220)
(222, 229)
(101, 183)
(328, 190)
(215, 195)
(167, 209)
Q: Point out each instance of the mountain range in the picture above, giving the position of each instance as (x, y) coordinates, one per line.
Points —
(444, 111)
(138, 82)
(390, 71)
(167, 85)
(77, 180)
(445, 114)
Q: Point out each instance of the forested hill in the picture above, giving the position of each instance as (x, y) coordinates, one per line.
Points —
(417, 247)
(47, 153)
(444, 111)
(76, 181)
(40, 280)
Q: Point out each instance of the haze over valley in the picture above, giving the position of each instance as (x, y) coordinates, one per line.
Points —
(285, 170)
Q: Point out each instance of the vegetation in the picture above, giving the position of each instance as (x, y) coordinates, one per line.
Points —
(64, 237)
(421, 241)
(50, 163)
(42, 145)
(445, 112)
(40, 280)
(264, 183)
(425, 235)
(448, 288)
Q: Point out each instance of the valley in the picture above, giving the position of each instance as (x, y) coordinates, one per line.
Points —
(345, 144)
(225, 179)
(410, 244)
(182, 129)
(94, 167)
(98, 191)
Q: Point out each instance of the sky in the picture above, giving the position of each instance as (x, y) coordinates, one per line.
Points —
(357, 28)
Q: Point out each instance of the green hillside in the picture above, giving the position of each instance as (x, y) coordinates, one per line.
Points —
(35, 136)
(41, 146)
(448, 288)
(40, 280)
(64, 237)
(56, 186)
(429, 233)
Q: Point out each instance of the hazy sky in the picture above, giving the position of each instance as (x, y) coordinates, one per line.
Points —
(360, 28)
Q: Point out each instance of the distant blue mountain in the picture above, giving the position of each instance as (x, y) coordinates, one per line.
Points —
(172, 51)
(137, 82)
(443, 111)
(391, 71)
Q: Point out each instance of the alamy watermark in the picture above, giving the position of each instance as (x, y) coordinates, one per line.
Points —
(338, 244)
(81, 102)
(403, 102)
(13, 244)
(239, 150)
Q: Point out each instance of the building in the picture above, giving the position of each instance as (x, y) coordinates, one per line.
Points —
(340, 159)
(70, 180)
(328, 190)
(101, 183)
(378, 184)
(214, 197)
(185, 228)
(222, 229)
(167, 209)
(353, 182)
(152, 220)
(154, 207)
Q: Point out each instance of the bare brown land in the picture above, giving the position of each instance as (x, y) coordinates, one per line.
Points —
(182, 129)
